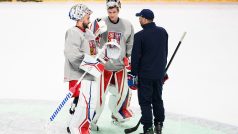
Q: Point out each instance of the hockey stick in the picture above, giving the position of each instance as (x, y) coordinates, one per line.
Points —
(133, 129)
(175, 51)
(72, 89)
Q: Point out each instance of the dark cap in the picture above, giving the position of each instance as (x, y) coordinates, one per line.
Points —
(146, 13)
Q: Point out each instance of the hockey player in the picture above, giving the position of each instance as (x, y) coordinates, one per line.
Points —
(79, 50)
(115, 73)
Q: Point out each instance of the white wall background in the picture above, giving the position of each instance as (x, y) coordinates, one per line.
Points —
(203, 77)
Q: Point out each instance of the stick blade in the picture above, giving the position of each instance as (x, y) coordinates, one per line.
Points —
(133, 129)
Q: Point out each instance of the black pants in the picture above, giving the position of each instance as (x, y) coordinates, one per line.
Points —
(150, 97)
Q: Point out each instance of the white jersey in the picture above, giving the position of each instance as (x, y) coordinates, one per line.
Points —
(123, 32)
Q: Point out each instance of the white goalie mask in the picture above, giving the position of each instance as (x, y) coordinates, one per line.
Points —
(77, 12)
(113, 3)
(113, 50)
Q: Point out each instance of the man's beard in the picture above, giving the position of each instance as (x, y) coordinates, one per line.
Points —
(85, 25)
(142, 25)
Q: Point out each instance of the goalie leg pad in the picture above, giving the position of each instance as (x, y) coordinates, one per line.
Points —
(120, 99)
(80, 121)
(101, 98)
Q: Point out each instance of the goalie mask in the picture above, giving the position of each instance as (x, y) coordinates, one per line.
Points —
(113, 3)
(77, 12)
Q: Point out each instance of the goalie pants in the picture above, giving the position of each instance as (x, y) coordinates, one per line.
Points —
(150, 97)
(80, 121)
(119, 100)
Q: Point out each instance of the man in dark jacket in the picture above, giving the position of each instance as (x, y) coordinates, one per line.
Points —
(148, 60)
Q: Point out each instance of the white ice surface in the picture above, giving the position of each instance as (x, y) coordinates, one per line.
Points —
(31, 116)
(203, 77)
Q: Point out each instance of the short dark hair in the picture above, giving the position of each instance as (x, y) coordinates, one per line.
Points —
(114, 7)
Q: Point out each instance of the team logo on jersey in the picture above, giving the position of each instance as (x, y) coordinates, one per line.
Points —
(93, 49)
(114, 35)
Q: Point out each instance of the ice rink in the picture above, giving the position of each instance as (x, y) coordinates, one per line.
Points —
(200, 97)
(30, 117)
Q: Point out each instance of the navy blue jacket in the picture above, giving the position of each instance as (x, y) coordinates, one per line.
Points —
(150, 51)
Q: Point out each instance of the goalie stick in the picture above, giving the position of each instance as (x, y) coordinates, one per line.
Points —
(133, 129)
